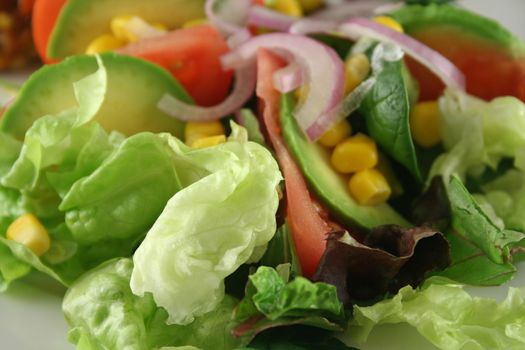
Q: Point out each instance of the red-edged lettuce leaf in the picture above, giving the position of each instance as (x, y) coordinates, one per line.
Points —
(390, 258)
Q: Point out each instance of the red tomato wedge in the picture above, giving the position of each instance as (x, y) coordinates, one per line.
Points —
(489, 70)
(45, 14)
(192, 55)
(309, 230)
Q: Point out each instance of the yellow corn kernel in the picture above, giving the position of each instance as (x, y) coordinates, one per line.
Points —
(425, 124)
(357, 68)
(356, 153)
(28, 231)
(288, 7)
(208, 141)
(197, 130)
(336, 134)
(118, 27)
(195, 23)
(104, 43)
(389, 22)
(369, 187)
(160, 27)
(311, 5)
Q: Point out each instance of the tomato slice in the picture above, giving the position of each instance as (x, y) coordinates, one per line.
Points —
(192, 55)
(308, 228)
(45, 14)
(489, 70)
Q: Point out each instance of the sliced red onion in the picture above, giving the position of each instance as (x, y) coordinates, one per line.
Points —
(384, 52)
(229, 16)
(288, 78)
(355, 28)
(238, 38)
(313, 25)
(263, 17)
(319, 63)
(243, 90)
(348, 9)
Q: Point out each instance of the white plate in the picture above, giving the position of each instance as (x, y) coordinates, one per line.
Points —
(30, 315)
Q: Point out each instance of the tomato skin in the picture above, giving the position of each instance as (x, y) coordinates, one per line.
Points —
(489, 70)
(309, 229)
(192, 55)
(45, 14)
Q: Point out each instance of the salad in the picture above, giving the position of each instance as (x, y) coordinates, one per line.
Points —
(281, 174)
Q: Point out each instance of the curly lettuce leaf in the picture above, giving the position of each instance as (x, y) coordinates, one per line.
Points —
(449, 317)
(271, 301)
(104, 314)
(57, 139)
(110, 203)
(208, 229)
(477, 134)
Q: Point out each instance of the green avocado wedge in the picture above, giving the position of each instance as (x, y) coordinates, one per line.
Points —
(417, 18)
(330, 187)
(81, 21)
(491, 58)
(130, 106)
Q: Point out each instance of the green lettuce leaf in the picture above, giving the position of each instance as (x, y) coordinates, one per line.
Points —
(110, 203)
(104, 314)
(449, 317)
(477, 134)
(249, 121)
(210, 228)
(271, 301)
(57, 139)
(471, 222)
(11, 268)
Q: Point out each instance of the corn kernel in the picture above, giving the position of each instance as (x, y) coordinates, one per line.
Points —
(104, 43)
(357, 68)
(195, 23)
(208, 141)
(336, 134)
(28, 231)
(356, 153)
(369, 187)
(288, 7)
(389, 22)
(197, 130)
(118, 27)
(425, 124)
(311, 5)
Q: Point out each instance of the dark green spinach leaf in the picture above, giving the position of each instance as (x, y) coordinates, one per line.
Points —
(386, 109)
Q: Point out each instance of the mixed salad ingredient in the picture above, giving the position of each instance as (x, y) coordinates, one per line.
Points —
(268, 174)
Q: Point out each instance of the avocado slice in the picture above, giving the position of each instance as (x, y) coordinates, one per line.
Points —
(134, 89)
(81, 21)
(330, 187)
(418, 18)
(491, 58)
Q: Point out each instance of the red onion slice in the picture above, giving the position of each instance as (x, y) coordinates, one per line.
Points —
(263, 17)
(438, 64)
(229, 16)
(289, 78)
(243, 90)
(319, 63)
(312, 25)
